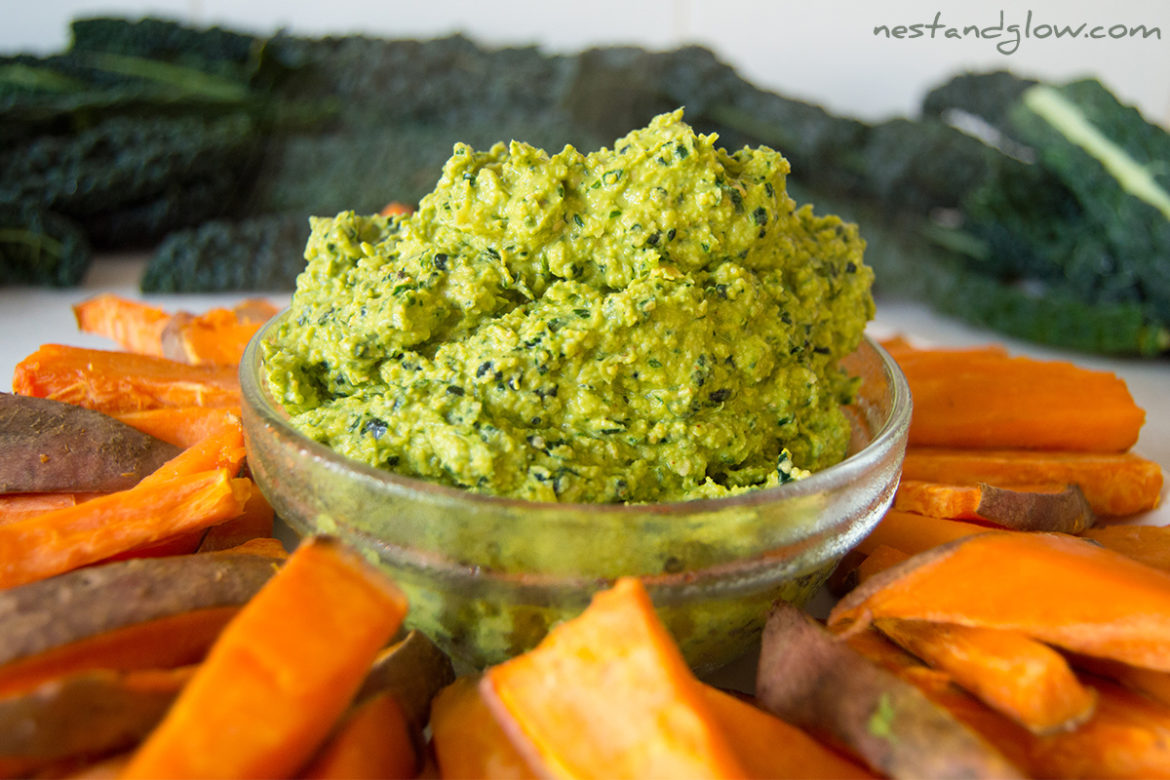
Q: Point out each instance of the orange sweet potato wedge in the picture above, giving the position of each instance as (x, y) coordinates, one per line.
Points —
(467, 740)
(1149, 544)
(64, 539)
(47, 446)
(818, 682)
(608, 694)
(282, 672)
(134, 326)
(1114, 484)
(1050, 507)
(770, 747)
(112, 381)
(1059, 589)
(913, 533)
(1013, 674)
(133, 614)
(1128, 735)
(989, 400)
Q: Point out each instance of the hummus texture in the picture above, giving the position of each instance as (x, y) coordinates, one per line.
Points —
(658, 321)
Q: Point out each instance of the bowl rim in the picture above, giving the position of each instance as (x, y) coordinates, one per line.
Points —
(255, 394)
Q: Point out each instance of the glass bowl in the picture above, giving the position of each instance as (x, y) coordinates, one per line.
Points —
(487, 576)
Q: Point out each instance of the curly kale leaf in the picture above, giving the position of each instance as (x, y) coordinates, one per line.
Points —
(41, 248)
(261, 253)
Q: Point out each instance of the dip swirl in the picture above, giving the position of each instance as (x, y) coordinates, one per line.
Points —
(655, 322)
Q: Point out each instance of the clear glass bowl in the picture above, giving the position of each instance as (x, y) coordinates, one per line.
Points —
(487, 576)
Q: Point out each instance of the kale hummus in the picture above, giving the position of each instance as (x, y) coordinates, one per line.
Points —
(653, 322)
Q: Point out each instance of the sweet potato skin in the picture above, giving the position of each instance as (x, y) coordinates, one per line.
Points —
(278, 686)
(82, 603)
(1060, 589)
(83, 716)
(48, 446)
(815, 681)
(414, 670)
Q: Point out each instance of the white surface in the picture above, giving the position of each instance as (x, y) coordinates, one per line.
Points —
(30, 317)
(825, 51)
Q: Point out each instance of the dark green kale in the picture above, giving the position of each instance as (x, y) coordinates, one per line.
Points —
(986, 96)
(41, 248)
(916, 258)
(130, 180)
(228, 53)
(1051, 316)
(260, 253)
(1038, 210)
(900, 163)
(1114, 163)
(1079, 203)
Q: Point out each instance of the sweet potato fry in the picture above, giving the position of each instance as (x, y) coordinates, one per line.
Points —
(817, 682)
(1051, 507)
(184, 543)
(64, 539)
(222, 449)
(83, 716)
(1059, 589)
(257, 521)
(1114, 484)
(414, 670)
(1152, 683)
(882, 558)
(608, 694)
(18, 506)
(769, 747)
(1025, 680)
(1126, 737)
(937, 499)
(878, 648)
(135, 614)
(111, 381)
(982, 400)
(1148, 544)
(133, 325)
(216, 337)
(278, 685)
(856, 566)
(383, 733)
(372, 742)
(48, 446)
(467, 740)
(183, 426)
(912, 533)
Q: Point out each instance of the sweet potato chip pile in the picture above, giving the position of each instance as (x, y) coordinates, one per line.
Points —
(1005, 619)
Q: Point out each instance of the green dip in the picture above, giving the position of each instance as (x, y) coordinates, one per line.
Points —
(655, 322)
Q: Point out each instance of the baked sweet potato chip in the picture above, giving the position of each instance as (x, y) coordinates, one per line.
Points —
(608, 694)
(281, 674)
(816, 681)
(83, 717)
(135, 614)
(1052, 507)
(1059, 589)
(112, 381)
(49, 446)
